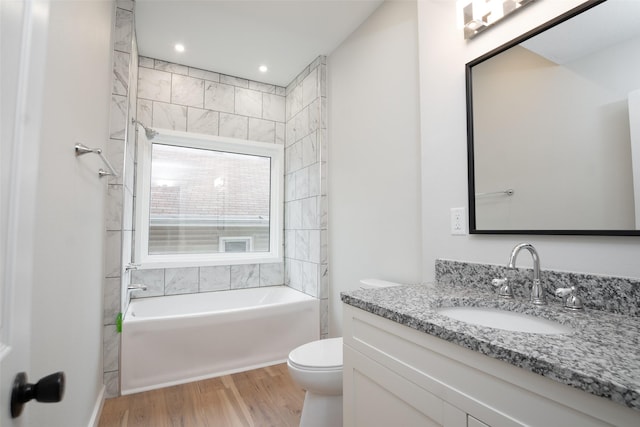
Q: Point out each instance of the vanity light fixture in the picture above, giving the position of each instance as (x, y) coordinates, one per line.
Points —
(477, 15)
(263, 68)
(179, 47)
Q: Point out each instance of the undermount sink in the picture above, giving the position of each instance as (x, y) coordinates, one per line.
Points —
(502, 319)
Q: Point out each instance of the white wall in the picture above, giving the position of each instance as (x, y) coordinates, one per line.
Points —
(374, 155)
(443, 55)
(634, 134)
(67, 295)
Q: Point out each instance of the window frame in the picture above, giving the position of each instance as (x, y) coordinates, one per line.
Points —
(214, 143)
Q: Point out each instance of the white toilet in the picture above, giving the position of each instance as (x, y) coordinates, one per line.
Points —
(317, 368)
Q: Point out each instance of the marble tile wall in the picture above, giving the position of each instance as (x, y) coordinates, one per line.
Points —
(306, 261)
(119, 207)
(189, 280)
(608, 293)
(177, 97)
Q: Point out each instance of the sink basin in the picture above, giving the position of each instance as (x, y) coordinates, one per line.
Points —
(502, 319)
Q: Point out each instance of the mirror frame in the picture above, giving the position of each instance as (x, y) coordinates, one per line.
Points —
(470, 145)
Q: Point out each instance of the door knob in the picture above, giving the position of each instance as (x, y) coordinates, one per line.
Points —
(49, 389)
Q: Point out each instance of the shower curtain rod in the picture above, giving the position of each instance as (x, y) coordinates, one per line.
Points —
(149, 133)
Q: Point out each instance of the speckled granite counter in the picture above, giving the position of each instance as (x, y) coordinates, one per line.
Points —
(601, 357)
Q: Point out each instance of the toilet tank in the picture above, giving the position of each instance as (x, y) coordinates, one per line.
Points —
(376, 283)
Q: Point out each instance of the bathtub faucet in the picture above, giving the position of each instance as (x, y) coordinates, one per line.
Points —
(131, 288)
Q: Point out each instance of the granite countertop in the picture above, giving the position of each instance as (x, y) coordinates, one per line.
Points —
(601, 356)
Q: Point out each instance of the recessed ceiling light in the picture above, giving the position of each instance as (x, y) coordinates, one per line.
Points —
(263, 68)
(179, 47)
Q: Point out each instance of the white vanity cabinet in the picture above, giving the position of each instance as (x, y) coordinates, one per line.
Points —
(397, 376)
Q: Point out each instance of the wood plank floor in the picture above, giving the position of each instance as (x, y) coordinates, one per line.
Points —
(259, 398)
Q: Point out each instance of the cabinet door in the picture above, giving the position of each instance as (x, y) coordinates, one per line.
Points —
(376, 396)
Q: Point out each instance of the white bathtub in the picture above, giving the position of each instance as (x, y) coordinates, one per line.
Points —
(177, 339)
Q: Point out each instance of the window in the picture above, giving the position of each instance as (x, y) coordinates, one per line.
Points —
(236, 244)
(207, 200)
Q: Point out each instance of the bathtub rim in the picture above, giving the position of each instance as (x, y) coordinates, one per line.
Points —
(130, 318)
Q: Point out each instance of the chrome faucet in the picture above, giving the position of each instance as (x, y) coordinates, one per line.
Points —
(537, 290)
(131, 288)
(137, 287)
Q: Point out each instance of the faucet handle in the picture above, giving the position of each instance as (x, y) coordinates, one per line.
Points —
(572, 301)
(563, 292)
(505, 290)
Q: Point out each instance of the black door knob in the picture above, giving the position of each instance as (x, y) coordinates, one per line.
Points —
(49, 389)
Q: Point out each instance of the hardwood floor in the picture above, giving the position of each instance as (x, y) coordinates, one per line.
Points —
(258, 398)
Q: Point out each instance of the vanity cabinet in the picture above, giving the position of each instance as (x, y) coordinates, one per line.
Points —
(396, 375)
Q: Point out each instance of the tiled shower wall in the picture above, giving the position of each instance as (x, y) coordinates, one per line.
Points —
(305, 186)
(177, 97)
(120, 152)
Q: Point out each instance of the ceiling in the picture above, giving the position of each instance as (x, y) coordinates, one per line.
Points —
(603, 26)
(236, 37)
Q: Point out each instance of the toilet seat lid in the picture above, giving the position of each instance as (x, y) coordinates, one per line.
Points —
(321, 354)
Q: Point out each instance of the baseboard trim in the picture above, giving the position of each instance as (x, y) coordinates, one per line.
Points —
(97, 409)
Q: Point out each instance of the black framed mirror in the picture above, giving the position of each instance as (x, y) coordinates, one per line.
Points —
(553, 127)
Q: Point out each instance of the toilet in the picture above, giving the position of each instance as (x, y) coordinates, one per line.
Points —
(317, 368)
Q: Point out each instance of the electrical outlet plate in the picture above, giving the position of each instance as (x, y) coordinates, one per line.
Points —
(458, 221)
